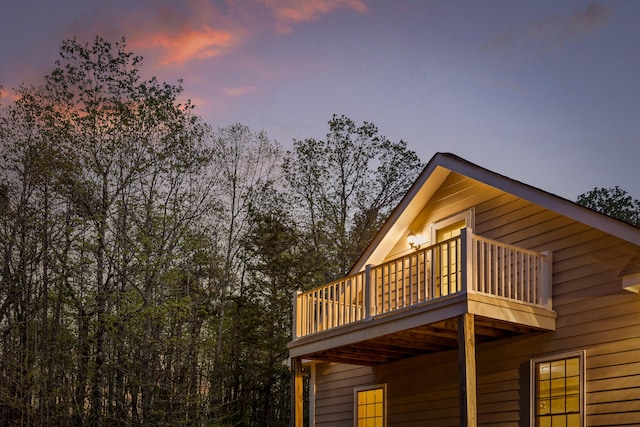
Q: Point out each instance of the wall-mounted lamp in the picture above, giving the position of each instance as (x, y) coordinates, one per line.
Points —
(414, 240)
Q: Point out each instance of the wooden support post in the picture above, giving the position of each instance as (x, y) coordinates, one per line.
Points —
(467, 370)
(297, 399)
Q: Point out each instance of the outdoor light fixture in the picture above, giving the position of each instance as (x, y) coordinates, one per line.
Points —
(414, 240)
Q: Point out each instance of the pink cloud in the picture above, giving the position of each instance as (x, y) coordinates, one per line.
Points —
(188, 44)
(240, 90)
(558, 29)
(173, 32)
(288, 12)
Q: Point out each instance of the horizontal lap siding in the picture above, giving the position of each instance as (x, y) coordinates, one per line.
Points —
(423, 391)
(334, 392)
(594, 314)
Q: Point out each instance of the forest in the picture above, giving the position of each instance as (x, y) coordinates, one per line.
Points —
(148, 260)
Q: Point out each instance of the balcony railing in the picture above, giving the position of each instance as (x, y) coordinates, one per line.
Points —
(467, 263)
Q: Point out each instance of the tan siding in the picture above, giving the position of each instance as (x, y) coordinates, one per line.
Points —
(334, 392)
(423, 391)
(594, 314)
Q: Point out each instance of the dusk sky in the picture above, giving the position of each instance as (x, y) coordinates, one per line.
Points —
(545, 92)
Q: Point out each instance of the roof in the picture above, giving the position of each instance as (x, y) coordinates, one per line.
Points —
(435, 172)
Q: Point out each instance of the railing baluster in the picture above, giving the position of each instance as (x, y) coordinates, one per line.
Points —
(316, 311)
(432, 273)
(340, 299)
(528, 277)
(396, 290)
(520, 279)
(325, 310)
(306, 324)
(393, 277)
(400, 275)
(413, 275)
(331, 306)
(422, 266)
(482, 279)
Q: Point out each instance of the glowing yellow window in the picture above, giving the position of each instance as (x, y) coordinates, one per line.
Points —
(558, 392)
(370, 406)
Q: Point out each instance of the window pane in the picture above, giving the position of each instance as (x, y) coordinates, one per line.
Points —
(378, 410)
(559, 421)
(362, 397)
(573, 385)
(573, 367)
(573, 403)
(557, 387)
(557, 406)
(544, 389)
(557, 369)
(544, 422)
(543, 370)
(573, 420)
(544, 407)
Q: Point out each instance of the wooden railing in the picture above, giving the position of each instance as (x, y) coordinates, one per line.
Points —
(467, 263)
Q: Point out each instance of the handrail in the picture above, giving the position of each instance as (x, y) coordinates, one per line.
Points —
(466, 263)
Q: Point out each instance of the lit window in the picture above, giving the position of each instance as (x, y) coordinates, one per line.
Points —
(558, 391)
(370, 406)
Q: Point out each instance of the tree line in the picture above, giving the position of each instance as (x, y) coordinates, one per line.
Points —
(148, 260)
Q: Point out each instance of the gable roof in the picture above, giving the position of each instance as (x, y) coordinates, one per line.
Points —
(434, 174)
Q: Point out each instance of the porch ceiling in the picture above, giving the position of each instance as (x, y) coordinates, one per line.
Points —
(440, 336)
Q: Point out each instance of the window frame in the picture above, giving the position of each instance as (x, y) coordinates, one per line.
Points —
(533, 383)
(468, 216)
(356, 390)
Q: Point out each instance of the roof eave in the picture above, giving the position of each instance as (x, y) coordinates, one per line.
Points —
(434, 173)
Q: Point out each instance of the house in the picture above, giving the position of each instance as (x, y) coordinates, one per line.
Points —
(481, 301)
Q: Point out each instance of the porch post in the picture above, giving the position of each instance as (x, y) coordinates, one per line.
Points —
(467, 370)
(297, 399)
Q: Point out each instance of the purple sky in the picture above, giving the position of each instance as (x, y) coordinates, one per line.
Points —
(546, 92)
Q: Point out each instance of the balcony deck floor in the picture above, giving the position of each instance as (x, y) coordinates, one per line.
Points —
(440, 336)
(420, 330)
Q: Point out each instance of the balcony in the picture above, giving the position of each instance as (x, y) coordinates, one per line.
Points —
(507, 288)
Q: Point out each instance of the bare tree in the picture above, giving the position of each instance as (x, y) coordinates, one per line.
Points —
(346, 186)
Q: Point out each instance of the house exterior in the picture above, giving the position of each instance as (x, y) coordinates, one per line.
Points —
(481, 301)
